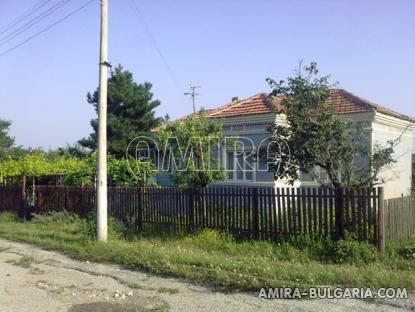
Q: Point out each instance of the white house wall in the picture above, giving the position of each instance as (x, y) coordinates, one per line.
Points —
(399, 176)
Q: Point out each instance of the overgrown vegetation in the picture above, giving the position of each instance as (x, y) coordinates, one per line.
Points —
(210, 257)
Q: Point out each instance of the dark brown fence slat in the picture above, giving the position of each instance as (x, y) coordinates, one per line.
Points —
(304, 210)
(320, 211)
(278, 199)
(290, 208)
(260, 213)
(314, 211)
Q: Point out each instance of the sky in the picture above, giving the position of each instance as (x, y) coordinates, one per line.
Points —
(227, 47)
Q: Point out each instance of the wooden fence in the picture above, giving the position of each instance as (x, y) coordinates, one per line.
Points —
(11, 199)
(399, 218)
(246, 212)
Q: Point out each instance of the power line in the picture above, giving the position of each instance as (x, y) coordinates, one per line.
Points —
(143, 23)
(24, 16)
(47, 28)
(32, 22)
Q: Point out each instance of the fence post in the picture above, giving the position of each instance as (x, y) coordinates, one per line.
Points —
(22, 207)
(255, 213)
(381, 221)
(140, 210)
(339, 213)
(191, 209)
(66, 202)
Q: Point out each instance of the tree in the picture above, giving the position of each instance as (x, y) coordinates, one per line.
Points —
(38, 164)
(6, 141)
(119, 172)
(75, 150)
(315, 137)
(130, 112)
(190, 144)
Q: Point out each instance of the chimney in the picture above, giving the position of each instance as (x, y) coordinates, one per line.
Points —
(235, 98)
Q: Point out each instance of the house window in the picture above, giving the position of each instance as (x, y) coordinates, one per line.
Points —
(239, 167)
(230, 166)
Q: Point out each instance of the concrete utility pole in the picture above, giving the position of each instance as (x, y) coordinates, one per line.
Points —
(193, 95)
(102, 199)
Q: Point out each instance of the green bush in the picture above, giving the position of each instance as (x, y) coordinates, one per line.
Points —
(407, 250)
(8, 216)
(209, 239)
(89, 227)
(353, 252)
(56, 217)
(324, 249)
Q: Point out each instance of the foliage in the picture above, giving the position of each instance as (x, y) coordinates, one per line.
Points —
(407, 250)
(6, 141)
(352, 251)
(316, 137)
(24, 262)
(75, 150)
(119, 172)
(89, 227)
(37, 164)
(55, 217)
(216, 259)
(77, 172)
(191, 142)
(130, 112)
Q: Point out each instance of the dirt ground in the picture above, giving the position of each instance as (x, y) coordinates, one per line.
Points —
(35, 280)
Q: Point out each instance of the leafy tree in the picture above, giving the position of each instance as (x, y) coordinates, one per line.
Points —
(119, 172)
(37, 164)
(187, 142)
(75, 150)
(165, 120)
(316, 137)
(6, 141)
(130, 112)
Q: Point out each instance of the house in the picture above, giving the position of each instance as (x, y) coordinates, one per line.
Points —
(251, 117)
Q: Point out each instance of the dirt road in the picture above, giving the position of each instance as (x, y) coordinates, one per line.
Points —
(35, 280)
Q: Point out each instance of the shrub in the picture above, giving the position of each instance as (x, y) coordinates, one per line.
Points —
(89, 227)
(324, 249)
(354, 252)
(209, 239)
(56, 217)
(407, 250)
(8, 216)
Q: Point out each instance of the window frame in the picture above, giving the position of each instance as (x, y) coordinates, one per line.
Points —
(235, 165)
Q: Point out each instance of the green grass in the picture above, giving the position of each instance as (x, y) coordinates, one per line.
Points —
(214, 259)
(24, 262)
(166, 290)
(161, 307)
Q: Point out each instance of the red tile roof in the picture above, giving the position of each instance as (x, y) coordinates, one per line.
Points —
(345, 103)
(257, 104)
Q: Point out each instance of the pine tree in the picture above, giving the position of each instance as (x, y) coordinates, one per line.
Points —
(130, 112)
(6, 141)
